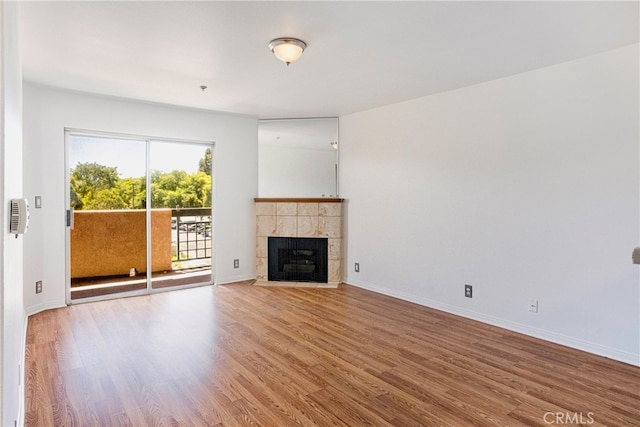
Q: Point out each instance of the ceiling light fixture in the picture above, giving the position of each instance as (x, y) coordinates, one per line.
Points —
(287, 49)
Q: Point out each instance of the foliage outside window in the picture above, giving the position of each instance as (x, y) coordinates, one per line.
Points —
(98, 187)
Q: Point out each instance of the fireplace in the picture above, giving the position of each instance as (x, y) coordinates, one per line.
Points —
(298, 259)
(303, 218)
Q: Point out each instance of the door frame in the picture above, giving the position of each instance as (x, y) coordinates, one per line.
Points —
(68, 132)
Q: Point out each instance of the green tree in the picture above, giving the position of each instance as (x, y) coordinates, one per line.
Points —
(95, 186)
(204, 179)
(106, 199)
(133, 191)
(87, 179)
(205, 162)
(76, 200)
(199, 185)
(165, 189)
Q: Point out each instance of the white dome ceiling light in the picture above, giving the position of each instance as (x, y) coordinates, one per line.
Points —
(287, 49)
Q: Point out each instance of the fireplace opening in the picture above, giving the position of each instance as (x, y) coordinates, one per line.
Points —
(298, 259)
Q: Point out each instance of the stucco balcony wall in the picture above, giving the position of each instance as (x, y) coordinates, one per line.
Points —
(111, 242)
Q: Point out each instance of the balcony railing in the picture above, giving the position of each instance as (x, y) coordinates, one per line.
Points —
(191, 228)
(109, 243)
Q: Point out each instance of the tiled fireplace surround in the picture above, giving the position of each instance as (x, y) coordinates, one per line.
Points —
(285, 217)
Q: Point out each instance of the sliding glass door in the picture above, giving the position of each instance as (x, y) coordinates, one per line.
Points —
(180, 184)
(140, 214)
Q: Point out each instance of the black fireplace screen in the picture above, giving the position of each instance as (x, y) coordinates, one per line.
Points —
(298, 259)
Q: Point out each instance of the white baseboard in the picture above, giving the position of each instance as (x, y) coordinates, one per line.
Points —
(30, 311)
(21, 401)
(576, 343)
(34, 309)
(234, 279)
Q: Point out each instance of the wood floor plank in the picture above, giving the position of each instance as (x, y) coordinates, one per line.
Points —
(242, 355)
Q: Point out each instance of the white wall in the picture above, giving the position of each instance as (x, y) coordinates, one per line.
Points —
(12, 314)
(296, 172)
(46, 114)
(525, 187)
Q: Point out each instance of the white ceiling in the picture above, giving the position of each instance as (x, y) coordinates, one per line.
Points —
(360, 55)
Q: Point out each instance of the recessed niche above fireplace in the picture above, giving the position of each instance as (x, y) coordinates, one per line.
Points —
(298, 157)
(298, 259)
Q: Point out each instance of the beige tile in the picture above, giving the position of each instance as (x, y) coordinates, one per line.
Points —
(335, 249)
(335, 271)
(299, 220)
(295, 284)
(286, 209)
(265, 225)
(261, 269)
(330, 226)
(307, 209)
(265, 208)
(307, 226)
(330, 209)
(286, 226)
(262, 247)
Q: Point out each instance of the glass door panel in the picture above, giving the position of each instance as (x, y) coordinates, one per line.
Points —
(107, 197)
(180, 216)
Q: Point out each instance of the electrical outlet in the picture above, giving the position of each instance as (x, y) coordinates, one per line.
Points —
(39, 286)
(533, 305)
(356, 267)
(468, 291)
(236, 263)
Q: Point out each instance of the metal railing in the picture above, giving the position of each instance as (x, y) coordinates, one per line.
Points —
(191, 231)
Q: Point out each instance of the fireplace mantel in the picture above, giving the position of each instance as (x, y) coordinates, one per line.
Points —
(300, 217)
(298, 200)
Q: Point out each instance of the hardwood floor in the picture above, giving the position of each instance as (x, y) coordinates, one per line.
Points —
(249, 355)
